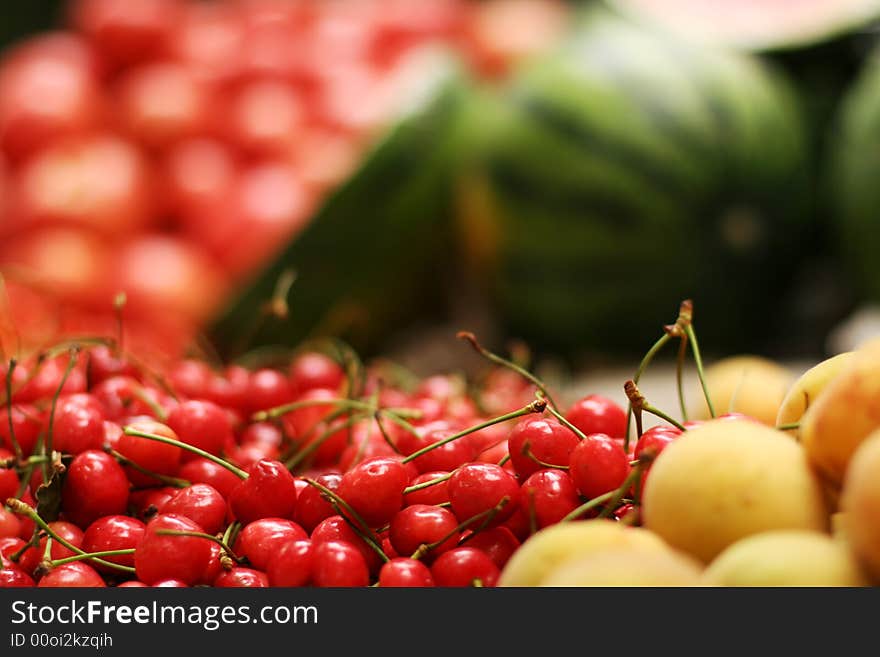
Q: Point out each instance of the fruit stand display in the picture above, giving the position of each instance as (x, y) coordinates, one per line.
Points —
(213, 214)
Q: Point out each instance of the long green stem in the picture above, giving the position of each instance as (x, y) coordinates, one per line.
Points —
(427, 484)
(631, 479)
(176, 482)
(334, 498)
(313, 446)
(486, 516)
(47, 442)
(695, 348)
(238, 472)
(679, 376)
(646, 360)
(663, 416)
(586, 506)
(564, 422)
(90, 555)
(536, 406)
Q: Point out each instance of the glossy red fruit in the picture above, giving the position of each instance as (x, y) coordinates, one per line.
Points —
(261, 539)
(262, 433)
(436, 494)
(421, 524)
(537, 439)
(202, 504)
(78, 424)
(598, 465)
(95, 486)
(405, 572)
(549, 496)
(202, 471)
(202, 424)
(300, 422)
(268, 492)
(26, 425)
(446, 457)
(335, 528)
(465, 566)
(654, 440)
(291, 565)
(240, 577)
(311, 506)
(338, 564)
(268, 388)
(312, 370)
(146, 502)
(11, 576)
(113, 533)
(214, 567)
(104, 362)
(478, 489)
(374, 489)
(598, 414)
(159, 557)
(76, 574)
(10, 525)
(498, 543)
(152, 455)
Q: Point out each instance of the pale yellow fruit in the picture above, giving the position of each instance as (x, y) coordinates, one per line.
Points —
(807, 388)
(728, 479)
(860, 503)
(843, 414)
(786, 558)
(549, 547)
(627, 567)
(750, 385)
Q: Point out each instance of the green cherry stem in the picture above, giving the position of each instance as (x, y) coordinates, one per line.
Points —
(793, 426)
(679, 376)
(646, 360)
(53, 563)
(207, 537)
(377, 416)
(486, 516)
(631, 479)
(536, 406)
(238, 472)
(47, 442)
(19, 507)
(19, 455)
(298, 457)
(176, 482)
(334, 499)
(564, 422)
(427, 484)
(586, 506)
(503, 362)
(695, 348)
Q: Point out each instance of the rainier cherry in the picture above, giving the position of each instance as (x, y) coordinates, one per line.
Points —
(598, 465)
(405, 572)
(161, 556)
(95, 486)
(464, 566)
(479, 488)
(598, 414)
(268, 492)
(374, 489)
(537, 443)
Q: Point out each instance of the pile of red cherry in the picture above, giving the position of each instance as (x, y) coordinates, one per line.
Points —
(321, 473)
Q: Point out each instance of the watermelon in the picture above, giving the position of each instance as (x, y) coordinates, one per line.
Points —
(367, 261)
(629, 171)
(854, 170)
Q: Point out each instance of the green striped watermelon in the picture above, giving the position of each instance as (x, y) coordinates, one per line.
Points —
(628, 172)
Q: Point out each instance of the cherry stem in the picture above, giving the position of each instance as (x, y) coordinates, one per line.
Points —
(498, 360)
(347, 404)
(52, 563)
(315, 444)
(207, 537)
(371, 539)
(695, 348)
(19, 507)
(663, 416)
(176, 482)
(646, 360)
(158, 411)
(47, 442)
(586, 506)
(679, 376)
(527, 452)
(564, 422)
(792, 426)
(536, 406)
(632, 478)
(15, 446)
(377, 416)
(426, 484)
(238, 472)
(486, 515)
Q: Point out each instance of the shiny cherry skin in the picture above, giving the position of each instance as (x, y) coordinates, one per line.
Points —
(436, 494)
(113, 533)
(75, 574)
(478, 488)
(32, 557)
(10, 525)
(268, 388)
(497, 543)
(291, 565)
(95, 486)
(201, 503)
(311, 507)
(241, 577)
(336, 528)
(159, 556)
(301, 422)
(152, 455)
(261, 539)
(312, 370)
(202, 471)
(446, 457)
(374, 489)
(104, 363)
(550, 495)
(78, 424)
(536, 439)
(11, 576)
(338, 564)
(598, 414)
(404, 572)
(422, 524)
(268, 492)
(465, 566)
(202, 424)
(26, 424)
(598, 465)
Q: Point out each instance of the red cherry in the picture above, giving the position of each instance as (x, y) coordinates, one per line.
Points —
(264, 433)
(104, 363)
(421, 524)
(26, 425)
(32, 557)
(202, 504)
(10, 545)
(464, 566)
(374, 489)
(545, 439)
(76, 574)
(153, 455)
(476, 488)
(654, 440)
(95, 486)
(550, 495)
(170, 583)
(202, 424)
(8, 481)
(436, 494)
(260, 539)
(190, 377)
(11, 576)
(132, 584)
(405, 572)
(202, 471)
(239, 577)
(231, 390)
(315, 370)
(598, 465)
(299, 423)
(338, 564)
(113, 533)
(268, 492)
(311, 507)
(446, 457)
(498, 543)
(267, 389)
(598, 414)
(78, 424)
(146, 502)
(335, 528)
(628, 512)
(10, 526)
(291, 565)
(159, 556)
(214, 567)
